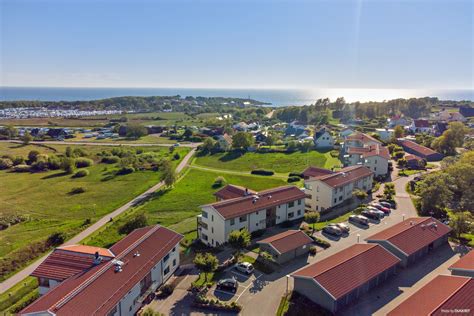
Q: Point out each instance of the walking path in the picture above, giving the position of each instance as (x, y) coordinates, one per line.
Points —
(88, 143)
(18, 277)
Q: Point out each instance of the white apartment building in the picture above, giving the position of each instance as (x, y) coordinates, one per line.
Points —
(253, 212)
(330, 190)
(113, 285)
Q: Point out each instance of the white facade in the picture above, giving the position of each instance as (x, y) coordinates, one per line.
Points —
(377, 164)
(385, 134)
(415, 129)
(322, 196)
(214, 229)
(324, 141)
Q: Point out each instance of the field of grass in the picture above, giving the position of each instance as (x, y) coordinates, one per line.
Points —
(148, 139)
(278, 162)
(178, 207)
(46, 200)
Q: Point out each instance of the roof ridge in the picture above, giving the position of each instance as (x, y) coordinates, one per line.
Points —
(362, 252)
(452, 294)
(250, 196)
(409, 226)
(293, 231)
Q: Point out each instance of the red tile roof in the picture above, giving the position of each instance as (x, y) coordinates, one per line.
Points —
(422, 123)
(316, 172)
(413, 157)
(287, 240)
(248, 204)
(416, 147)
(465, 263)
(99, 289)
(231, 191)
(345, 176)
(91, 250)
(413, 234)
(442, 293)
(369, 151)
(364, 138)
(350, 268)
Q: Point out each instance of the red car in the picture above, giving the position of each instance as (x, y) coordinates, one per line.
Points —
(384, 209)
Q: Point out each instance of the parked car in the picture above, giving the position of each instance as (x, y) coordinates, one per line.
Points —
(379, 212)
(342, 226)
(385, 204)
(392, 203)
(371, 214)
(379, 208)
(332, 230)
(359, 219)
(244, 267)
(230, 284)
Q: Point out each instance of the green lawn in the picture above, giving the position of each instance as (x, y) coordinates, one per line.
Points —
(178, 207)
(278, 162)
(46, 200)
(340, 219)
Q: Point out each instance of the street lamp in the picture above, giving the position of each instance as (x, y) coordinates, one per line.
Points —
(358, 238)
(403, 217)
(287, 280)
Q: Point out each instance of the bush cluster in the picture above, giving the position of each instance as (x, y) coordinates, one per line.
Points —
(81, 173)
(293, 179)
(263, 172)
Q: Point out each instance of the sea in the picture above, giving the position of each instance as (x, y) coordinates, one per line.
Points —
(274, 97)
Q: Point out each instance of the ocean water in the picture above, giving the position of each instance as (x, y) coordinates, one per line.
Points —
(276, 97)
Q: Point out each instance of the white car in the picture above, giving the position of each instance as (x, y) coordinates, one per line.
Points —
(244, 267)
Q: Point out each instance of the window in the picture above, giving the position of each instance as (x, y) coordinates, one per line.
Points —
(317, 188)
(291, 204)
(290, 215)
(204, 214)
(167, 270)
(256, 213)
(145, 283)
(212, 218)
(232, 221)
(335, 200)
(375, 168)
(174, 262)
(166, 258)
(204, 236)
(212, 229)
(299, 202)
(256, 224)
(299, 212)
(340, 198)
(317, 207)
(242, 219)
(317, 198)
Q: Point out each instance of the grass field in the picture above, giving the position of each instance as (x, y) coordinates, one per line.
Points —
(148, 139)
(278, 162)
(46, 200)
(178, 207)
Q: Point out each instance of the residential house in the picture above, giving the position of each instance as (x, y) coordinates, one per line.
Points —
(253, 212)
(413, 238)
(439, 128)
(385, 134)
(419, 150)
(414, 162)
(115, 282)
(359, 139)
(421, 126)
(342, 278)
(374, 157)
(225, 142)
(464, 266)
(286, 246)
(448, 116)
(398, 120)
(231, 191)
(323, 138)
(330, 190)
(346, 132)
(466, 111)
(295, 129)
(445, 294)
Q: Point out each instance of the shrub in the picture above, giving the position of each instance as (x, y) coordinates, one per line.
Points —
(176, 156)
(54, 163)
(138, 221)
(313, 250)
(334, 153)
(18, 160)
(5, 163)
(81, 173)
(125, 170)
(321, 242)
(263, 172)
(296, 174)
(68, 165)
(32, 156)
(55, 239)
(167, 289)
(78, 190)
(21, 168)
(41, 163)
(293, 179)
(83, 162)
(110, 159)
(218, 182)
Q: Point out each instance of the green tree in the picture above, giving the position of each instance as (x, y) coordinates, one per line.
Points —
(206, 263)
(461, 223)
(360, 194)
(138, 221)
(270, 141)
(9, 132)
(434, 193)
(135, 131)
(239, 239)
(168, 173)
(32, 156)
(208, 145)
(26, 138)
(242, 140)
(398, 131)
(451, 138)
(311, 218)
(68, 165)
(69, 152)
(187, 133)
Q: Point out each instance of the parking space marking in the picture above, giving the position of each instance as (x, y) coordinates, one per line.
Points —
(245, 289)
(241, 274)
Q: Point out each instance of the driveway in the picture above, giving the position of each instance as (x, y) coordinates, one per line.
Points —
(18, 277)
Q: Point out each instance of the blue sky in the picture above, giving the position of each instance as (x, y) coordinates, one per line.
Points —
(259, 44)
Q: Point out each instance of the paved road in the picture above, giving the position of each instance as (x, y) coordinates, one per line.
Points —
(51, 142)
(7, 284)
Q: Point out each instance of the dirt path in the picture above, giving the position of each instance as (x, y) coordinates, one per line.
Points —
(18, 277)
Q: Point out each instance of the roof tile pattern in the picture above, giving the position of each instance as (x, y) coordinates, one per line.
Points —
(287, 240)
(345, 176)
(350, 268)
(413, 234)
(465, 263)
(416, 147)
(316, 172)
(231, 191)
(440, 293)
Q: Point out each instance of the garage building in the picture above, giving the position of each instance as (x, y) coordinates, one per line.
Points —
(286, 245)
(413, 238)
(340, 279)
(464, 266)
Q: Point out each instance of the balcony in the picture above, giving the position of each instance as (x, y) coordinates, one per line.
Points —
(200, 223)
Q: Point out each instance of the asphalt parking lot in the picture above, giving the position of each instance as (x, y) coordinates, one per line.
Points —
(246, 282)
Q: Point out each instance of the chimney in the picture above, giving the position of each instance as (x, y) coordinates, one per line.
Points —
(97, 258)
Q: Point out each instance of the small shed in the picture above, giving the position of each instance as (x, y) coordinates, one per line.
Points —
(287, 245)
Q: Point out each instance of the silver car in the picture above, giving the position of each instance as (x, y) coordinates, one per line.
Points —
(344, 227)
(332, 230)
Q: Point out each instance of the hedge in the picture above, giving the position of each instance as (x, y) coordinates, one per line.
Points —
(263, 172)
(83, 162)
(81, 173)
(296, 174)
(293, 179)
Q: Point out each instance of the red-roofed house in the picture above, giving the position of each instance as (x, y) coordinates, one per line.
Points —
(421, 126)
(464, 266)
(254, 212)
(414, 162)
(329, 190)
(441, 296)
(231, 191)
(419, 150)
(412, 238)
(143, 261)
(338, 280)
(286, 245)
